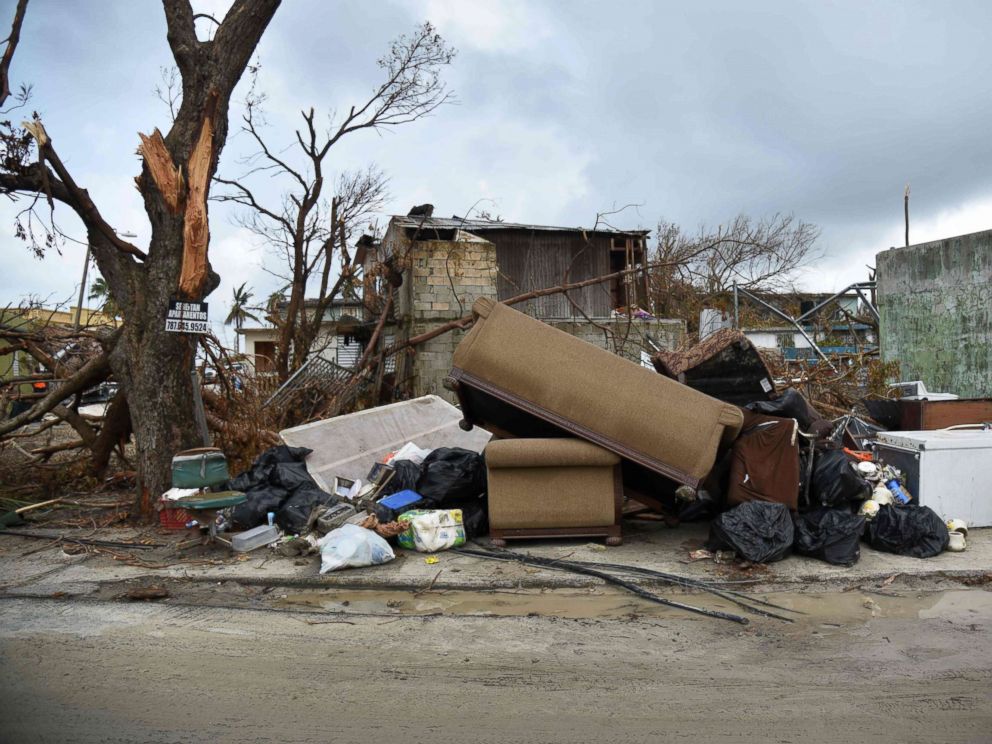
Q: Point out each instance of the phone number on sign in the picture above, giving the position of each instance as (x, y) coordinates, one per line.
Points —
(187, 326)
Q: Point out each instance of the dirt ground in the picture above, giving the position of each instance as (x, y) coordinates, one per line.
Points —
(564, 666)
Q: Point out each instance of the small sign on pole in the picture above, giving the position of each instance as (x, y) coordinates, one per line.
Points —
(187, 317)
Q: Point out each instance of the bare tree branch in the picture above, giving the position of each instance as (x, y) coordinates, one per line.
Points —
(8, 53)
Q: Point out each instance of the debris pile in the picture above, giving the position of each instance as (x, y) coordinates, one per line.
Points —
(585, 437)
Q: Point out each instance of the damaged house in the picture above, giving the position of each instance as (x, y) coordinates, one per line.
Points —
(343, 330)
(438, 267)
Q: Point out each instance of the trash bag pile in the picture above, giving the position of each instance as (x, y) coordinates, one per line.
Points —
(277, 483)
(790, 485)
(423, 500)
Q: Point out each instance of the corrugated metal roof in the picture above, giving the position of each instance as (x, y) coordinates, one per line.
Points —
(445, 223)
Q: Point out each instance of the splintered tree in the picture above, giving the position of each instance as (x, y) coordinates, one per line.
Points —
(310, 228)
(152, 366)
(696, 269)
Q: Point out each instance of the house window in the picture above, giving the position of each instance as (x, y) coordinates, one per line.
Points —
(390, 361)
(786, 340)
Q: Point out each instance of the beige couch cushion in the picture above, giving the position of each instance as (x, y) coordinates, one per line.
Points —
(630, 409)
(542, 453)
(550, 483)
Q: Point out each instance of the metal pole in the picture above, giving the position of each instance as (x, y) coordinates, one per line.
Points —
(906, 209)
(871, 308)
(790, 319)
(198, 412)
(82, 287)
(737, 318)
(814, 310)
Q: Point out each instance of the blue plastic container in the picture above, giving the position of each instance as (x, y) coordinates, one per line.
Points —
(395, 504)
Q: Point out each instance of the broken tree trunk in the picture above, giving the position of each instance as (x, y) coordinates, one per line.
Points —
(196, 233)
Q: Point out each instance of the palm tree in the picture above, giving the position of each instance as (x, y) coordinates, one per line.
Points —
(239, 313)
(100, 292)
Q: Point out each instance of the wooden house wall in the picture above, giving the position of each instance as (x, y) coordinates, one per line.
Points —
(535, 259)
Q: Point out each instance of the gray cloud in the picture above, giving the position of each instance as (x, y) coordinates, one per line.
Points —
(698, 111)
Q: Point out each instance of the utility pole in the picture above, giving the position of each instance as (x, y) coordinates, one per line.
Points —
(82, 288)
(905, 204)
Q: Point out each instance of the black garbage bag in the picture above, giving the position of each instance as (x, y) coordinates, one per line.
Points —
(260, 502)
(475, 517)
(451, 474)
(290, 475)
(758, 531)
(294, 513)
(835, 482)
(791, 404)
(281, 453)
(807, 458)
(277, 474)
(832, 535)
(917, 531)
(260, 472)
(406, 473)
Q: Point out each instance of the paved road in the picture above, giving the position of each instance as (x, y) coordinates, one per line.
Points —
(88, 671)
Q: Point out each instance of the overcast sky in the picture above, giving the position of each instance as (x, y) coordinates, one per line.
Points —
(695, 112)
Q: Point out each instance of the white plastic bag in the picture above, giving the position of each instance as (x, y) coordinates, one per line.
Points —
(412, 452)
(174, 494)
(352, 546)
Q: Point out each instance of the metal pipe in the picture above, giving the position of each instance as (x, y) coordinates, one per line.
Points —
(198, 411)
(789, 319)
(857, 286)
(871, 308)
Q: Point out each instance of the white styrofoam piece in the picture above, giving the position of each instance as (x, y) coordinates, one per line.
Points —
(348, 446)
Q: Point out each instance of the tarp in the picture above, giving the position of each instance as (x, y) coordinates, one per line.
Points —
(348, 446)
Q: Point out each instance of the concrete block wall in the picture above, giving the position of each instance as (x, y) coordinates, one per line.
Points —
(442, 281)
(448, 276)
(935, 302)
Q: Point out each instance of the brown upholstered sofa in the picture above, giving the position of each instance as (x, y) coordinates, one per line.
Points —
(519, 377)
(553, 488)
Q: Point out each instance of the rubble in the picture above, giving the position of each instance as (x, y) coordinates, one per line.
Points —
(774, 477)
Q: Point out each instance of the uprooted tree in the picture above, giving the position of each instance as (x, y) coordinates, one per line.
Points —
(152, 366)
(310, 228)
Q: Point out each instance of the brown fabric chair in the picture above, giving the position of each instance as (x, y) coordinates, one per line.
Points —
(553, 488)
(517, 376)
(765, 462)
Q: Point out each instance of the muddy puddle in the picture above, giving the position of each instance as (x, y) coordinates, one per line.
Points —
(837, 608)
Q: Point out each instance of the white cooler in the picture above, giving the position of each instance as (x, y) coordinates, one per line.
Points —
(949, 470)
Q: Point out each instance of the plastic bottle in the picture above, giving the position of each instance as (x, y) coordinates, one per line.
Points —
(900, 495)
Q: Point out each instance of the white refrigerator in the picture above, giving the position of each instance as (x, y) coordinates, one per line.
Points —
(949, 470)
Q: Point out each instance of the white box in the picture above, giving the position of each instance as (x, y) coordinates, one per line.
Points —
(949, 470)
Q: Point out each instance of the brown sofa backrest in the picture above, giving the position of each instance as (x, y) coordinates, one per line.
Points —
(634, 411)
